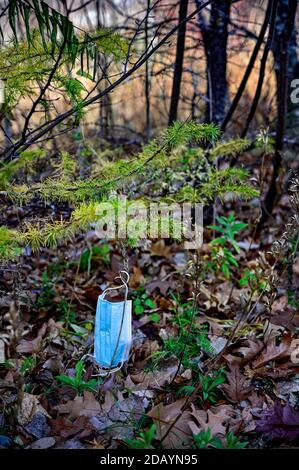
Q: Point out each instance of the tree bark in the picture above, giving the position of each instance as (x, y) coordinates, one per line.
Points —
(215, 36)
(147, 79)
(293, 63)
(282, 74)
(178, 68)
(264, 59)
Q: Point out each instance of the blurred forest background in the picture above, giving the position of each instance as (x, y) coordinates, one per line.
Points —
(209, 63)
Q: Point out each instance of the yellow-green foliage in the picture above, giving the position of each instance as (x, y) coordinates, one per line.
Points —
(9, 244)
(25, 64)
(169, 153)
(110, 43)
(232, 181)
(231, 148)
(157, 154)
(8, 170)
(67, 167)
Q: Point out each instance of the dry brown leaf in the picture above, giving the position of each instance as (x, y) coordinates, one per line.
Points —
(272, 353)
(163, 286)
(32, 346)
(202, 420)
(287, 318)
(237, 388)
(157, 379)
(245, 353)
(179, 436)
(296, 266)
(81, 406)
(160, 249)
(28, 407)
(137, 277)
(65, 428)
(108, 401)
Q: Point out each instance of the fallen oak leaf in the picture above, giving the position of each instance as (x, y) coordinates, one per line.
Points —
(237, 388)
(244, 354)
(279, 422)
(66, 428)
(272, 353)
(159, 378)
(164, 417)
(287, 318)
(203, 420)
(81, 406)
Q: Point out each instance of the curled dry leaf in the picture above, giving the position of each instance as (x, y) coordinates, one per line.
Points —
(245, 354)
(32, 346)
(273, 352)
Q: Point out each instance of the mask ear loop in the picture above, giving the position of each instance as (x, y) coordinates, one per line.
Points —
(124, 277)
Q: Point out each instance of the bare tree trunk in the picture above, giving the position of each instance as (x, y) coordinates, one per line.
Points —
(282, 98)
(264, 59)
(178, 68)
(215, 36)
(106, 115)
(293, 64)
(147, 79)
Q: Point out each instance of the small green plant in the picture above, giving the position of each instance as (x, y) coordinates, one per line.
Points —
(144, 440)
(183, 312)
(229, 228)
(209, 385)
(46, 293)
(205, 439)
(222, 258)
(77, 382)
(7, 364)
(189, 342)
(234, 442)
(97, 254)
(142, 302)
(255, 279)
(187, 345)
(28, 364)
(67, 312)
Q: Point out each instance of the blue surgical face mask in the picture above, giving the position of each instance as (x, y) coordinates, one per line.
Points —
(113, 332)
